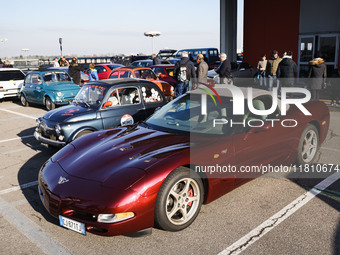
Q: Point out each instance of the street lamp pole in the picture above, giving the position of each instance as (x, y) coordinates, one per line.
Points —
(152, 34)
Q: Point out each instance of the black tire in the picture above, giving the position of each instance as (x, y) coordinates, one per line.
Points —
(186, 190)
(308, 145)
(82, 133)
(23, 100)
(49, 104)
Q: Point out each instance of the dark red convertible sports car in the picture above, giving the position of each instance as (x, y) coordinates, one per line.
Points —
(127, 179)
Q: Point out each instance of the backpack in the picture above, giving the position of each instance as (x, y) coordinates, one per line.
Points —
(183, 74)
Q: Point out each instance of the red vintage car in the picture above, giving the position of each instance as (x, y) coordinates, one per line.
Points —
(126, 179)
(165, 72)
(143, 73)
(104, 70)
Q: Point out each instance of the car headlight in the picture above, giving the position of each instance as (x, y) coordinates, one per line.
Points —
(112, 218)
(59, 94)
(38, 122)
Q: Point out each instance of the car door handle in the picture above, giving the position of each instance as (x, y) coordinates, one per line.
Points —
(38, 88)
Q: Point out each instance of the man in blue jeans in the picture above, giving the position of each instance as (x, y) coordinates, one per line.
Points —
(184, 74)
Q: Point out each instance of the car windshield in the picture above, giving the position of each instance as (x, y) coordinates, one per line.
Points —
(58, 76)
(183, 115)
(12, 75)
(90, 95)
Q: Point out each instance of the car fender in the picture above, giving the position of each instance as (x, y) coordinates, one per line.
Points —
(50, 95)
(81, 129)
(157, 172)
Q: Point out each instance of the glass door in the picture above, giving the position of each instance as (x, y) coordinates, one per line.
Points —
(306, 53)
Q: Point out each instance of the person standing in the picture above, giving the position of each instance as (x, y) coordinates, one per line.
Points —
(286, 70)
(155, 60)
(63, 61)
(93, 74)
(261, 66)
(224, 69)
(55, 62)
(318, 73)
(272, 65)
(202, 70)
(74, 71)
(184, 73)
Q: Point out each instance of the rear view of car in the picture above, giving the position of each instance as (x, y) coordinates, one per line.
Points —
(11, 80)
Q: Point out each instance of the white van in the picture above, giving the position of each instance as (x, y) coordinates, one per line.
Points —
(11, 80)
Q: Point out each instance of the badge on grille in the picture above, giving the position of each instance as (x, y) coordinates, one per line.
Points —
(62, 180)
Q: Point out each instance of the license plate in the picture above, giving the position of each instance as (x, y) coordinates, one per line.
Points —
(72, 224)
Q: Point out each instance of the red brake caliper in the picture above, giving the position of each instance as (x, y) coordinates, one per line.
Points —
(190, 195)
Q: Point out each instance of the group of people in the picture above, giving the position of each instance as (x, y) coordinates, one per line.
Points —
(7, 64)
(280, 72)
(75, 69)
(189, 78)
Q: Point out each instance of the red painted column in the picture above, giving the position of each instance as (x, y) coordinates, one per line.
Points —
(270, 25)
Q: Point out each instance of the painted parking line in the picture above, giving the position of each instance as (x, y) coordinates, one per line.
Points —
(330, 149)
(17, 138)
(16, 188)
(18, 113)
(268, 225)
(31, 230)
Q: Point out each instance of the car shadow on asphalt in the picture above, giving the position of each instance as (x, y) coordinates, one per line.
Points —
(28, 173)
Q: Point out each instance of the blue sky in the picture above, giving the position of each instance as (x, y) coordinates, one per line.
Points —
(106, 27)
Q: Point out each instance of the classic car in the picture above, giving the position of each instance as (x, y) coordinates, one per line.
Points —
(131, 178)
(164, 72)
(104, 70)
(48, 88)
(99, 105)
(143, 73)
(11, 80)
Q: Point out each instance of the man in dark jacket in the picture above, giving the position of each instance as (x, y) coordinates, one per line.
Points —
(318, 73)
(74, 71)
(184, 74)
(155, 60)
(224, 70)
(286, 70)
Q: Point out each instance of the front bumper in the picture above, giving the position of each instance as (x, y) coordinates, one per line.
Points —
(48, 141)
(82, 200)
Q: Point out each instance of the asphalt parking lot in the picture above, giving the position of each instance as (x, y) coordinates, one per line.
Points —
(268, 215)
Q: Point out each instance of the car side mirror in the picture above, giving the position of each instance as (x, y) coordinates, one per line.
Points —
(107, 104)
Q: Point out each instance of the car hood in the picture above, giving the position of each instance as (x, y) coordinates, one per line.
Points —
(70, 113)
(118, 152)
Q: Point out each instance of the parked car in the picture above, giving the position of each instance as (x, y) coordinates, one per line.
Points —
(142, 63)
(143, 73)
(211, 56)
(48, 88)
(99, 105)
(166, 53)
(123, 180)
(164, 72)
(11, 81)
(104, 70)
(243, 74)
